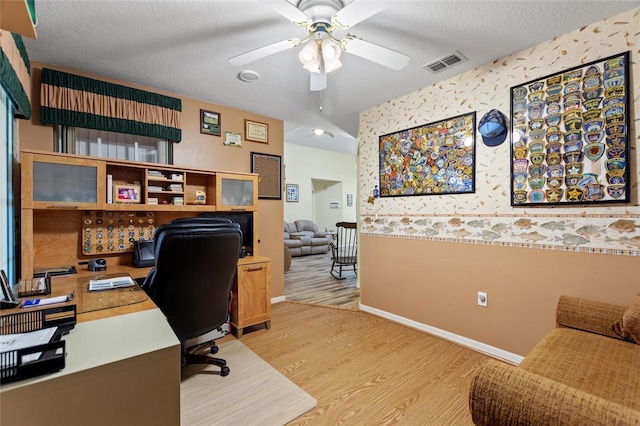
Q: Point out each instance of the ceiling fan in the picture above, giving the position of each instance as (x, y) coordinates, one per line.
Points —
(321, 54)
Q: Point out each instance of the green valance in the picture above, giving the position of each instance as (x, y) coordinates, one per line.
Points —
(73, 100)
(15, 72)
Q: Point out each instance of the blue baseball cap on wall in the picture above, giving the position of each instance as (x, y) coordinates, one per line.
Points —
(493, 128)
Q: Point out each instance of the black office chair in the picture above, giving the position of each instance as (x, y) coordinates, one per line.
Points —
(196, 263)
(344, 248)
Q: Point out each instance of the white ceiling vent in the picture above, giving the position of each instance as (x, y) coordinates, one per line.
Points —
(444, 62)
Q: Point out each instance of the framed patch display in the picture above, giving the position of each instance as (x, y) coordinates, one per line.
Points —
(570, 136)
(432, 159)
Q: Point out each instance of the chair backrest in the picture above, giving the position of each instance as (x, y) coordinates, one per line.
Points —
(345, 245)
(196, 264)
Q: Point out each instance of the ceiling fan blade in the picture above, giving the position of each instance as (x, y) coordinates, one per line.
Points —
(378, 54)
(318, 80)
(356, 12)
(263, 51)
(289, 11)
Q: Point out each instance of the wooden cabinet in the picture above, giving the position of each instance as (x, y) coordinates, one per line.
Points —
(58, 189)
(236, 192)
(63, 181)
(252, 294)
(51, 182)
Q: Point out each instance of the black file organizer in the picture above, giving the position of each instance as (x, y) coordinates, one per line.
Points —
(12, 367)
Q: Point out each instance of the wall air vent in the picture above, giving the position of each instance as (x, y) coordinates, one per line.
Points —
(444, 62)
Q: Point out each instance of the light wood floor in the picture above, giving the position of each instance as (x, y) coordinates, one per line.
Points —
(309, 280)
(366, 370)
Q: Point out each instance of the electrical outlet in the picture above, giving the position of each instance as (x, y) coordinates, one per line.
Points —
(482, 299)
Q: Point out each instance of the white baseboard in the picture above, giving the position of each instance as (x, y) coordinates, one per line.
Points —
(460, 340)
(278, 299)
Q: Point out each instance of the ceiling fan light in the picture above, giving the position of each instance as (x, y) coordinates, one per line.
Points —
(313, 67)
(332, 65)
(318, 132)
(309, 53)
(330, 50)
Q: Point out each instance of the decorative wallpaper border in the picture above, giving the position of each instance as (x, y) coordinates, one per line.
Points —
(603, 234)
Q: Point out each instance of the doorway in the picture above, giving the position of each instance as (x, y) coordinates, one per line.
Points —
(327, 203)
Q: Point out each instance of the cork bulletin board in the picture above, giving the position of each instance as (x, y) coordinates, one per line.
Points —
(268, 167)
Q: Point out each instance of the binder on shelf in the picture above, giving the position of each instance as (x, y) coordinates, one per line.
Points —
(109, 189)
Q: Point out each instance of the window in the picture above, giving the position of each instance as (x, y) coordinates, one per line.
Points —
(101, 143)
(7, 225)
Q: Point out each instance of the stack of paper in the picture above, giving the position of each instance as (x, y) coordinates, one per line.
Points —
(175, 187)
(155, 173)
(110, 283)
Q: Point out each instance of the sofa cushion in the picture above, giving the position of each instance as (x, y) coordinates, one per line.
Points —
(593, 363)
(628, 326)
(306, 225)
(293, 243)
(290, 227)
(320, 242)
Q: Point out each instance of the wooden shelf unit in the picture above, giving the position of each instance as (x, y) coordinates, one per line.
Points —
(57, 188)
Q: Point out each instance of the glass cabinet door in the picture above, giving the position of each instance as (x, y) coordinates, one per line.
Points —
(236, 192)
(63, 182)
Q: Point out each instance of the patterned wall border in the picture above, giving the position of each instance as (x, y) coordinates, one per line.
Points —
(603, 234)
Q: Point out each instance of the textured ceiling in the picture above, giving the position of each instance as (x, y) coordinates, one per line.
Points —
(183, 47)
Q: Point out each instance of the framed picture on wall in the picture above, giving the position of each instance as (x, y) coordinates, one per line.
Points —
(432, 159)
(570, 136)
(210, 123)
(256, 132)
(292, 193)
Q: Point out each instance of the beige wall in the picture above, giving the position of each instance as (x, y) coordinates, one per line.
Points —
(424, 258)
(195, 150)
(303, 165)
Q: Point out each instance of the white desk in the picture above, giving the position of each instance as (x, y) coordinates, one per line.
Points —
(121, 370)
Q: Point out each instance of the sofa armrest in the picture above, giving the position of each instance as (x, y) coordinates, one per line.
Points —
(507, 395)
(588, 315)
(319, 234)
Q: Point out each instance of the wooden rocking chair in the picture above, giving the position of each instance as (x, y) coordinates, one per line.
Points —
(344, 249)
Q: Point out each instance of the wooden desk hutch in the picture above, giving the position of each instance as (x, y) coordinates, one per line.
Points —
(67, 216)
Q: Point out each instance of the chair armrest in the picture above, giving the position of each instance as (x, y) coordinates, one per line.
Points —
(507, 395)
(588, 315)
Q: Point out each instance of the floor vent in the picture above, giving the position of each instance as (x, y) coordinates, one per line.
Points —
(445, 62)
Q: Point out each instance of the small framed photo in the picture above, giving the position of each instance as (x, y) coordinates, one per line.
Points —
(256, 132)
(210, 123)
(292, 193)
(126, 193)
(349, 200)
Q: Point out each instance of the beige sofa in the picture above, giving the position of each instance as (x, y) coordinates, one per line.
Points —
(303, 237)
(581, 373)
